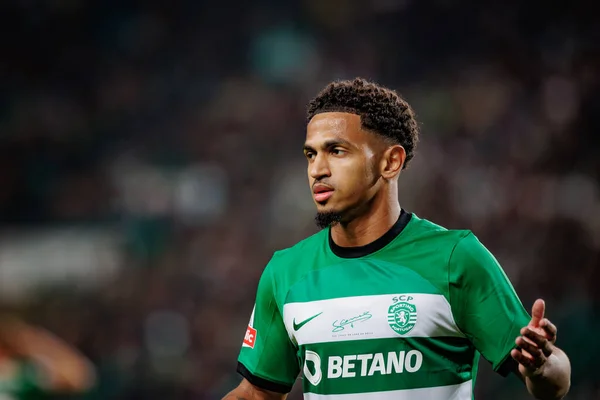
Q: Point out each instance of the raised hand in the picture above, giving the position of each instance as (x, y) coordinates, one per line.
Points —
(536, 342)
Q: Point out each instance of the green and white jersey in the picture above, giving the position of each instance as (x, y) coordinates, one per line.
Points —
(405, 317)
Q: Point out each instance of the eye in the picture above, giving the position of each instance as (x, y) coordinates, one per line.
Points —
(309, 155)
(337, 151)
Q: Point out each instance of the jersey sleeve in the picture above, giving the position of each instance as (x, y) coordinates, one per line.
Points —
(268, 357)
(484, 302)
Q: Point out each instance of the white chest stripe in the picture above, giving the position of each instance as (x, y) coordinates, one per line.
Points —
(370, 317)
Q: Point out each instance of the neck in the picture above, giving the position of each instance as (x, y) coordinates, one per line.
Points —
(381, 215)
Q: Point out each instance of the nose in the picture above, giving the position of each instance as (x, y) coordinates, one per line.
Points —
(319, 167)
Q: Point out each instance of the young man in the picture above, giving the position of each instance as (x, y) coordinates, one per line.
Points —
(382, 304)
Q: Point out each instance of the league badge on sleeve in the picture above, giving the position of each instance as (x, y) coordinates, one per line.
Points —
(250, 337)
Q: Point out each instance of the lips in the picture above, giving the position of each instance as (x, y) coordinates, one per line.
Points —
(322, 192)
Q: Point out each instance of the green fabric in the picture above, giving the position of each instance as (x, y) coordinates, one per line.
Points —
(436, 295)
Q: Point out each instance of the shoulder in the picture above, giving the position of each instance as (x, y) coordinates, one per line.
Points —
(283, 257)
(290, 264)
(457, 247)
(423, 230)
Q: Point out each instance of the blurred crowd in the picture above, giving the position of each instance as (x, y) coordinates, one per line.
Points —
(151, 162)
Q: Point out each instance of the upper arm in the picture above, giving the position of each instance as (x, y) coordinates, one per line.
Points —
(248, 391)
(484, 302)
(268, 357)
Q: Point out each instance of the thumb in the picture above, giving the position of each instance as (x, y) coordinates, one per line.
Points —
(537, 312)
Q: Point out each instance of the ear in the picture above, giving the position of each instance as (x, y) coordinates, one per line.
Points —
(392, 161)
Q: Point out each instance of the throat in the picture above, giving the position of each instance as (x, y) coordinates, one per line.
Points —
(365, 245)
(364, 230)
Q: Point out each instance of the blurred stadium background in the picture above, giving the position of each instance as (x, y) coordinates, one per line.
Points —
(150, 163)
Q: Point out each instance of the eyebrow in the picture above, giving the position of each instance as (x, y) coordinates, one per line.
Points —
(330, 143)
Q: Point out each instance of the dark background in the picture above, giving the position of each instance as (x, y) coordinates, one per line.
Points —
(150, 163)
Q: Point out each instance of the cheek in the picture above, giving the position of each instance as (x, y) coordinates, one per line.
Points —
(357, 177)
(362, 182)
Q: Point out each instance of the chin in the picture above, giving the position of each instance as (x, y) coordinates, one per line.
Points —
(327, 217)
(325, 207)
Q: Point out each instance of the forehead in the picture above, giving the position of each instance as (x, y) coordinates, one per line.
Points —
(331, 125)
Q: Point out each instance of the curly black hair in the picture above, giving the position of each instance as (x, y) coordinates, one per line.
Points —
(381, 110)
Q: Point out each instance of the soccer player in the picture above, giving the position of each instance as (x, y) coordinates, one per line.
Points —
(382, 304)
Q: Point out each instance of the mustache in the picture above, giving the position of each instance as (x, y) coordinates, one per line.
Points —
(322, 183)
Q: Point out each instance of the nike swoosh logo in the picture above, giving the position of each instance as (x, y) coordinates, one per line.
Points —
(306, 321)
